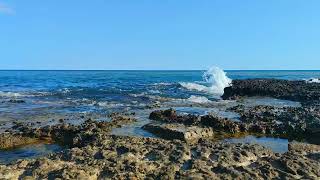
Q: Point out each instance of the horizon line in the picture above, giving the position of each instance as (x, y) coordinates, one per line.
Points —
(156, 69)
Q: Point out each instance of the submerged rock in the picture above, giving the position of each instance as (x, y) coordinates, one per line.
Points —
(16, 101)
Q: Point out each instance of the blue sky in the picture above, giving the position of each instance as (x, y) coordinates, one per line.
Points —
(159, 34)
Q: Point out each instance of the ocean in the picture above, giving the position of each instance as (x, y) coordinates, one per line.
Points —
(67, 92)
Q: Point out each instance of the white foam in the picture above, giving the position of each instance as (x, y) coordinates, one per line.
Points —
(215, 77)
(199, 99)
(154, 91)
(313, 80)
(194, 86)
(10, 94)
(162, 84)
(109, 104)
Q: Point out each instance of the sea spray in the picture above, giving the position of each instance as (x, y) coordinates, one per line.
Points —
(313, 80)
(198, 99)
(215, 77)
(218, 80)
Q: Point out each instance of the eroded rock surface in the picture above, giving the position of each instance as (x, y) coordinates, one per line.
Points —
(148, 158)
(179, 131)
(294, 123)
(66, 134)
(282, 89)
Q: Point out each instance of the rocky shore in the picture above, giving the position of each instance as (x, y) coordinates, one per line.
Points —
(95, 154)
(188, 146)
(283, 89)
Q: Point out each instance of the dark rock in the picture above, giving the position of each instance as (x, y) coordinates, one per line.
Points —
(171, 116)
(179, 131)
(282, 89)
(16, 101)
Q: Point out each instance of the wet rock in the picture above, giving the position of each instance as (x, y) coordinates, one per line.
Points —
(66, 134)
(171, 116)
(16, 101)
(293, 122)
(8, 140)
(114, 157)
(282, 89)
(179, 131)
(218, 123)
(95, 154)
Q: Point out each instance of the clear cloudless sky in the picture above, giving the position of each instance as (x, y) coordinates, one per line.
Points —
(159, 34)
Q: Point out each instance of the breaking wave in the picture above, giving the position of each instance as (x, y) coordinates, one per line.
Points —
(215, 77)
(10, 94)
(198, 99)
(313, 80)
(194, 86)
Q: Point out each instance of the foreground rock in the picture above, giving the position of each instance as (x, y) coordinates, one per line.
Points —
(113, 157)
(65, 134)
(189, 134)
(293, 123)
(8, 140)
(297, 122)
(282, 89)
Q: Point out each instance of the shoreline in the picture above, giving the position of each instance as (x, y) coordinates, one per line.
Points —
(186, 143)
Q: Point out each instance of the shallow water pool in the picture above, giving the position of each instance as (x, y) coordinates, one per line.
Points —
(28, 152)
(278, 145)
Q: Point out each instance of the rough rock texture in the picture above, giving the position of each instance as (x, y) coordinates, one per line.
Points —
(171, 116)
(114, 157)
(8, 140)
(282, 89)
(65, 134)
(294, 122)
(179, 131)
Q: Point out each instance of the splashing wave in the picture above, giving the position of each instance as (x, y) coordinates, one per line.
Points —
(215, 77)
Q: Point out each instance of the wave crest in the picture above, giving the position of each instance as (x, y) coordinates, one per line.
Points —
(313, 80)
(10, 94)
(214, 76)
(198, 99)
(194, 86)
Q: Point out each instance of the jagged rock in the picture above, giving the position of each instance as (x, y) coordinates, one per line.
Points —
(8, 140)
(179, 131)
(171, 116)
(16, 101)
(114, 157)
(282, 89)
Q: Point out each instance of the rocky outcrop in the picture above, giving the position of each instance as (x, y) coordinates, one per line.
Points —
(114, 157)
(8, 140)
(189, 134)
(282, 89)
(65, 134)
(171, 116)
(294, 122)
